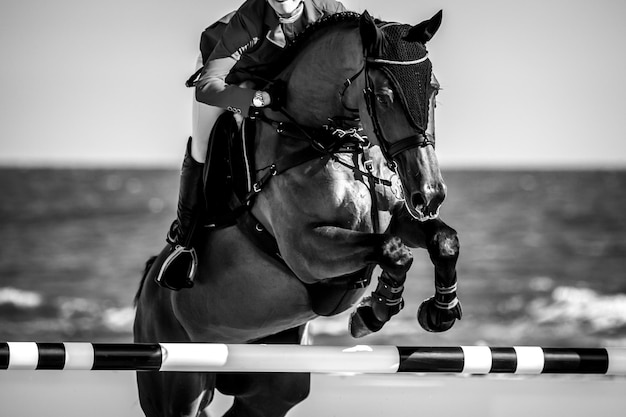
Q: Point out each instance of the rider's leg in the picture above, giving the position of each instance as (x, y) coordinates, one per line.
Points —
(203, 119)
(179, 268)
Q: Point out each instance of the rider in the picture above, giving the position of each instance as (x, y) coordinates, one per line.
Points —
(252, 40)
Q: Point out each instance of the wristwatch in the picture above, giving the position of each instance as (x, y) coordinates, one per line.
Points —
(257, 100)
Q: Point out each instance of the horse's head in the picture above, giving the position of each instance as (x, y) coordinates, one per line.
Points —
(398, 110)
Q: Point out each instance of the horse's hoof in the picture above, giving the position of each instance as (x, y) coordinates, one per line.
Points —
(444, 319)
(363, 322)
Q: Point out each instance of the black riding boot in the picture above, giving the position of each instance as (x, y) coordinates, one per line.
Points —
(179, 268)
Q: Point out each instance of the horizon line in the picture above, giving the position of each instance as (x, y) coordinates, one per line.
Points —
(455, 166)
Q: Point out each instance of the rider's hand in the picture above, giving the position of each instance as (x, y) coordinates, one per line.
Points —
(261, 99)
(277, 91)
(267, 99)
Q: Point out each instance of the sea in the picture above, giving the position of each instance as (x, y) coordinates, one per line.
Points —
(543, 257)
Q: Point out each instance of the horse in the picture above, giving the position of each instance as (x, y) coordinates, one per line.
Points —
(346, 179)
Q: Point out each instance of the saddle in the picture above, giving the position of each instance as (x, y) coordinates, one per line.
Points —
(229, 177)
(228, 171)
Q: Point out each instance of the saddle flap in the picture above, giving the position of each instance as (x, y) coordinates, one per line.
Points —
(229, 169)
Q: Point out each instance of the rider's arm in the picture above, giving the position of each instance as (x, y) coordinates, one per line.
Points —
(212, 88)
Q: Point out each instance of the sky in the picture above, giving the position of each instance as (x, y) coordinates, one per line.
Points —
(526, 84)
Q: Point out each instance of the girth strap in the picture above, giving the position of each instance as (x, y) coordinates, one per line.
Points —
(261, 238)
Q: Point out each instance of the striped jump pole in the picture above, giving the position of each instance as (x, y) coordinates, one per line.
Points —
(216, 357)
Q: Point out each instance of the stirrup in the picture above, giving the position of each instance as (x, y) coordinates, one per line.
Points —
(176, 279)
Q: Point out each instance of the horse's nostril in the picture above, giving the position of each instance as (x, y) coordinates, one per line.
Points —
(417, 200)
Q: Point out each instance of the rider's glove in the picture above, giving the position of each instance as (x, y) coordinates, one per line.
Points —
(277, 90)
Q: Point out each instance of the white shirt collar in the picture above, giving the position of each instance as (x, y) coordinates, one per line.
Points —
(295, 16)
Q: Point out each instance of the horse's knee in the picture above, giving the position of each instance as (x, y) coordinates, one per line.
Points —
(444, 245)
(149, 400)
(296, 390)
(288, 389)
(394, 257)
(265, 395)
(172, 394)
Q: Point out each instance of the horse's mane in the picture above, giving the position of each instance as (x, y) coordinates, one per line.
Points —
(309, 33)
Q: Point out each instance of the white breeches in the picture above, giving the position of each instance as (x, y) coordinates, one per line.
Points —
(203, 118)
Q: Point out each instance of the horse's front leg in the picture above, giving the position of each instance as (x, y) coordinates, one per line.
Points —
(437, 313)
(321, 252)
(348, 251)
(386, 300)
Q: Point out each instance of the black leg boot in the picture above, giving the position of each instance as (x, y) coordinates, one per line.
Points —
(179, 268)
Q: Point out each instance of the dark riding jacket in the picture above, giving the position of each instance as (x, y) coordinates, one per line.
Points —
(251, 45)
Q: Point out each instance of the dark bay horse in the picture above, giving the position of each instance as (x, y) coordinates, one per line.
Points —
(336, 200)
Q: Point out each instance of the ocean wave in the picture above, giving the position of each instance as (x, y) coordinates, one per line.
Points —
(20, 298)
(24, 312)
(548, 315)
(580, 306)
(119, 319)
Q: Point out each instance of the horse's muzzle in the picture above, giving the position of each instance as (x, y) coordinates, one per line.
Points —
(424, 203)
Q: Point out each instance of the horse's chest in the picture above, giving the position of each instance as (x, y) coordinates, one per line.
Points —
(330, 192)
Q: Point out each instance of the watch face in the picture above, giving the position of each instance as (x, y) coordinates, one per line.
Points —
(257, 100)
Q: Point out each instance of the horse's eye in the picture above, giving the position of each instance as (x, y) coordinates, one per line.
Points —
(385, 96)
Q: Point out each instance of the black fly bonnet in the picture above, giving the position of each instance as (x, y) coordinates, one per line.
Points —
(398, 51)
(407, 66)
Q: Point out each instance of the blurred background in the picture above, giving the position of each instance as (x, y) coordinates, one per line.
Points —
(94, 117)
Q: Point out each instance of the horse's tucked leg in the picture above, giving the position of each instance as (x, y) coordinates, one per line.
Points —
(166, 394)
(438, 313)
(348, 251)
(266, 394)
(174, 394)
(386, 301)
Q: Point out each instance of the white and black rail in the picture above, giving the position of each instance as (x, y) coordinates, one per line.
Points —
(217, 357)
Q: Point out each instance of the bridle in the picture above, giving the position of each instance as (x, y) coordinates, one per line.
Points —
(390, 149)
(324, 144)
(337, 140)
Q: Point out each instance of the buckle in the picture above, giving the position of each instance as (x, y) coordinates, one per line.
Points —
(362, 283)
(254, 112)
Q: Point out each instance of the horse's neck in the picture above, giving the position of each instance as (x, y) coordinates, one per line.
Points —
(316, 76)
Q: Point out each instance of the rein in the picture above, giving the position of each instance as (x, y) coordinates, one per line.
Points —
(325, 143)
(342, 141)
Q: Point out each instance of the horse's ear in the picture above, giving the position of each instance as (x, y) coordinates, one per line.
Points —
(423, 32)
(371, 36)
